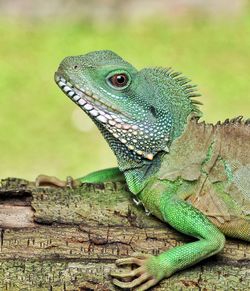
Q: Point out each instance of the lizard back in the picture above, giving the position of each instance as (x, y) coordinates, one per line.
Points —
(213, 164)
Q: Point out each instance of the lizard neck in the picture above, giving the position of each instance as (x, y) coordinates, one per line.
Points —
(137, 178)
(138, 173)
(137, 170)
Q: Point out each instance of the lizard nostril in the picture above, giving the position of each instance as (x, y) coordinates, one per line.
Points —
(75, 66)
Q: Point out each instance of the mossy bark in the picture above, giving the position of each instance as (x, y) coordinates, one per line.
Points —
(64, 239)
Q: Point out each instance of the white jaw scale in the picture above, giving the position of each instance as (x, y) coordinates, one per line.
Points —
(118, 126)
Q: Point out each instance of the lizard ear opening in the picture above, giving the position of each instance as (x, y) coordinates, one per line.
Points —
(152, 110)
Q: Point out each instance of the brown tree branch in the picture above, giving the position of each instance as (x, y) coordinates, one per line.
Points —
(63, 239)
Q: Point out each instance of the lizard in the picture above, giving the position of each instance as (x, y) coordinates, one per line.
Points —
(193, 175)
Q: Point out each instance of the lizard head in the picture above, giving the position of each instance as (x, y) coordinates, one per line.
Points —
(134, 111)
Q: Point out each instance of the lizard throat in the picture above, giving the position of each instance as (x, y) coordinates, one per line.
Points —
(123, 129)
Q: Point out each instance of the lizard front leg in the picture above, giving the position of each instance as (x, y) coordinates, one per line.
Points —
(110, 174)
(185, 218)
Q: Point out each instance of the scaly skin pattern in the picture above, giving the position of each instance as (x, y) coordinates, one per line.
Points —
(192, 175)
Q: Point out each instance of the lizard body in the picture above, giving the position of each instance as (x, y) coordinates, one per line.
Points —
(192, 175)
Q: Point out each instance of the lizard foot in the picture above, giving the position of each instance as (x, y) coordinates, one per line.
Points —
(140, 278)
(43, 180)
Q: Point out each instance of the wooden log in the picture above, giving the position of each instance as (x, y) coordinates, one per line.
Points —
(65, 239)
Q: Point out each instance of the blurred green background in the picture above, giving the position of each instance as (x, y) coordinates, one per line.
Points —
(42, 131)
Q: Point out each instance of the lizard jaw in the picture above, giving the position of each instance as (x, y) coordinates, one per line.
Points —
(117, 125)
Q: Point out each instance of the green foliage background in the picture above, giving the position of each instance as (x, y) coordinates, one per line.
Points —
(37, 134)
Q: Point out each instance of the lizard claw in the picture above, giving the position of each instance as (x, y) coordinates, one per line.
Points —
(44, 180)
(140, 278)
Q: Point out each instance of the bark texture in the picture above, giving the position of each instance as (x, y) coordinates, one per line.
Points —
(54, 239)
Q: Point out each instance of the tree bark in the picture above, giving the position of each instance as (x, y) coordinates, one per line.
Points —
(65, 239)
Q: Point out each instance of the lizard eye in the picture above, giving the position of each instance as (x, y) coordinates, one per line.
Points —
(119, 80)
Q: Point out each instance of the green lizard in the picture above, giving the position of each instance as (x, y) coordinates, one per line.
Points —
(192, 175)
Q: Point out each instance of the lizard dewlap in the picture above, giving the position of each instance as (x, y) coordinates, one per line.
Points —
(192, 175)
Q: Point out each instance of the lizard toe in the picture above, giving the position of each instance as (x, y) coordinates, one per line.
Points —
(44, 180)
(134, 283)
(140, 278)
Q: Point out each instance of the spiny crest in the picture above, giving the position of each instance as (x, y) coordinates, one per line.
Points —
(239, 120)
(236, 120)
(189, 89)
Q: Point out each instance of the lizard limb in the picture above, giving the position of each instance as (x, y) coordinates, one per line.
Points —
(110, 174)
(105, 175)
(185, 218)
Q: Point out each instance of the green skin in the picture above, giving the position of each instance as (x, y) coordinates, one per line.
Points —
(146, 112)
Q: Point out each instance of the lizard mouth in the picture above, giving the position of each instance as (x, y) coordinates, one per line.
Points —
(114, 121)
(91, 103)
